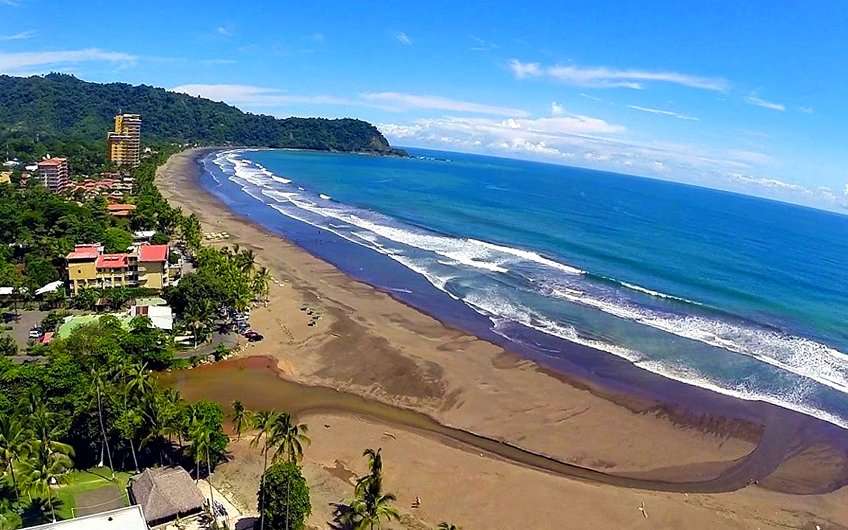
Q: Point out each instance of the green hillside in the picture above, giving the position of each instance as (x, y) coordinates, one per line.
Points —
(60, 105)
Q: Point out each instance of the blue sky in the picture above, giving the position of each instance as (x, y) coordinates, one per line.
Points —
(743, 96)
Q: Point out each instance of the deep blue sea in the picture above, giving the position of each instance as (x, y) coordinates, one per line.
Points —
(740, 295)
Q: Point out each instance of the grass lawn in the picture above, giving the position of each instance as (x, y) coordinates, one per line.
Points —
(89, 480)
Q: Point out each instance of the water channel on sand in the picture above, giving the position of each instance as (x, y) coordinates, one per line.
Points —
(257, 383)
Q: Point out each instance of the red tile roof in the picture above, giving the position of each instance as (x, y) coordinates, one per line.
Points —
(120, 207)
(83, 252)
(111, 261)
(153, 253)
(53, 162)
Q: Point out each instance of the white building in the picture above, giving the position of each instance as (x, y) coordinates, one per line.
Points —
(129, 518)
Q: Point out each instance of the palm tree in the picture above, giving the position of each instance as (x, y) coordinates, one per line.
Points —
(139, 380)
(98, 376)
(201, 439)
(375, 472)
(289, 438)
(264, 422)
(371, 505)
(371, 512)
(447, 526)
(261, 283)
(14, 439)
(241, 418)
(43, 468)
(246, 260)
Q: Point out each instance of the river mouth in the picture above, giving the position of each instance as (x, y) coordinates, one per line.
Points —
(259, 385)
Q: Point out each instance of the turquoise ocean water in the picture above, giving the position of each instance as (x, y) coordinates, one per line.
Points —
(743, 296)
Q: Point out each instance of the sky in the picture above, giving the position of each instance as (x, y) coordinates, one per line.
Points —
(741, 96)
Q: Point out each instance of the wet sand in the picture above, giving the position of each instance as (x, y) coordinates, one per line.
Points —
(370, 345)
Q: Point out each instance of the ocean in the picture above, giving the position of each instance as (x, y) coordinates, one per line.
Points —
(743, 296)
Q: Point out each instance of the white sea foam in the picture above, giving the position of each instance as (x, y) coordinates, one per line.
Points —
(324, 196)
(798, 355)
(441, 259)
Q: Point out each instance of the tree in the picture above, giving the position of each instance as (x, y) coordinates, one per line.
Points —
(447, 526)
(42, 468)
(370, 505)
(263, 422)
(117, 239)
(241, 418)
(289, 438)
(98, 377)
(8, 346)
(261, 283)
(286, 502)
(14, 439)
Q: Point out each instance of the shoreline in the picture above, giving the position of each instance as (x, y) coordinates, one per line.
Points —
(467, 383)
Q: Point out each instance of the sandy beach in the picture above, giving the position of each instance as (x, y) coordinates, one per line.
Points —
(367, 344)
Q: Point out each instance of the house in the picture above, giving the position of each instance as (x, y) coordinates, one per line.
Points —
(89, 267)
(120, 209)
(129, 518)
(165, 493)
(160, 315)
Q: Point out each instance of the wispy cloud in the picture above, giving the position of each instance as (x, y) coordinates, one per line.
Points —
(664, 112)
(603, 77)
(482, 45)
(20, 61)
(587, 96)
(317, 37)
(255, 96)
(12, 3)
(224, 31)
(23, 35)
(217, 61)
(557, 109)
(403, 101)
(755, 100)
(403, 38)
(807, 110)
(767, 182)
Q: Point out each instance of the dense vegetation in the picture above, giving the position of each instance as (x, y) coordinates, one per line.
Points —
(60, 105)
(94, 399)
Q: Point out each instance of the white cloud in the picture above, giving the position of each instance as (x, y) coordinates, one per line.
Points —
(760, 102)
(587, 96)
(603, 77)
(16, 62)
(664, 113)
(845, 191)
(807, 110)
(22, 35)
(403, 38)
(767, 182)
(224, 31)
(255, 96)
(521, 70)
(401, 101)
(556, 108)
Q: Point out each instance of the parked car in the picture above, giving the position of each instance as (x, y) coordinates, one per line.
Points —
(35, 333)
(253, 336)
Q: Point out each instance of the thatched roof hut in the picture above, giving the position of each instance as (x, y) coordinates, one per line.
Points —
(165, 493)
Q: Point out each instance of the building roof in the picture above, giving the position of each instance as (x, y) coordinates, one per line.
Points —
(165, 492)
(117, 207)
(47, 338)
(160, 316)
(50, 287)
(129, 518)
(53, 162)
(111, 261)
(153, 253)
(90, 251)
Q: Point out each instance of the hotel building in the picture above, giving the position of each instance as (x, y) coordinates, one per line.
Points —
(145, 266)
(124, 143)
(53, 173)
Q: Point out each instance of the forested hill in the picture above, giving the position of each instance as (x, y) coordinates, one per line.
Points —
(62, 105)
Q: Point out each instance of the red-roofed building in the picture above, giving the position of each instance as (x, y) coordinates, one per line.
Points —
(88, 267)
(153, 266)
(120, 210)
